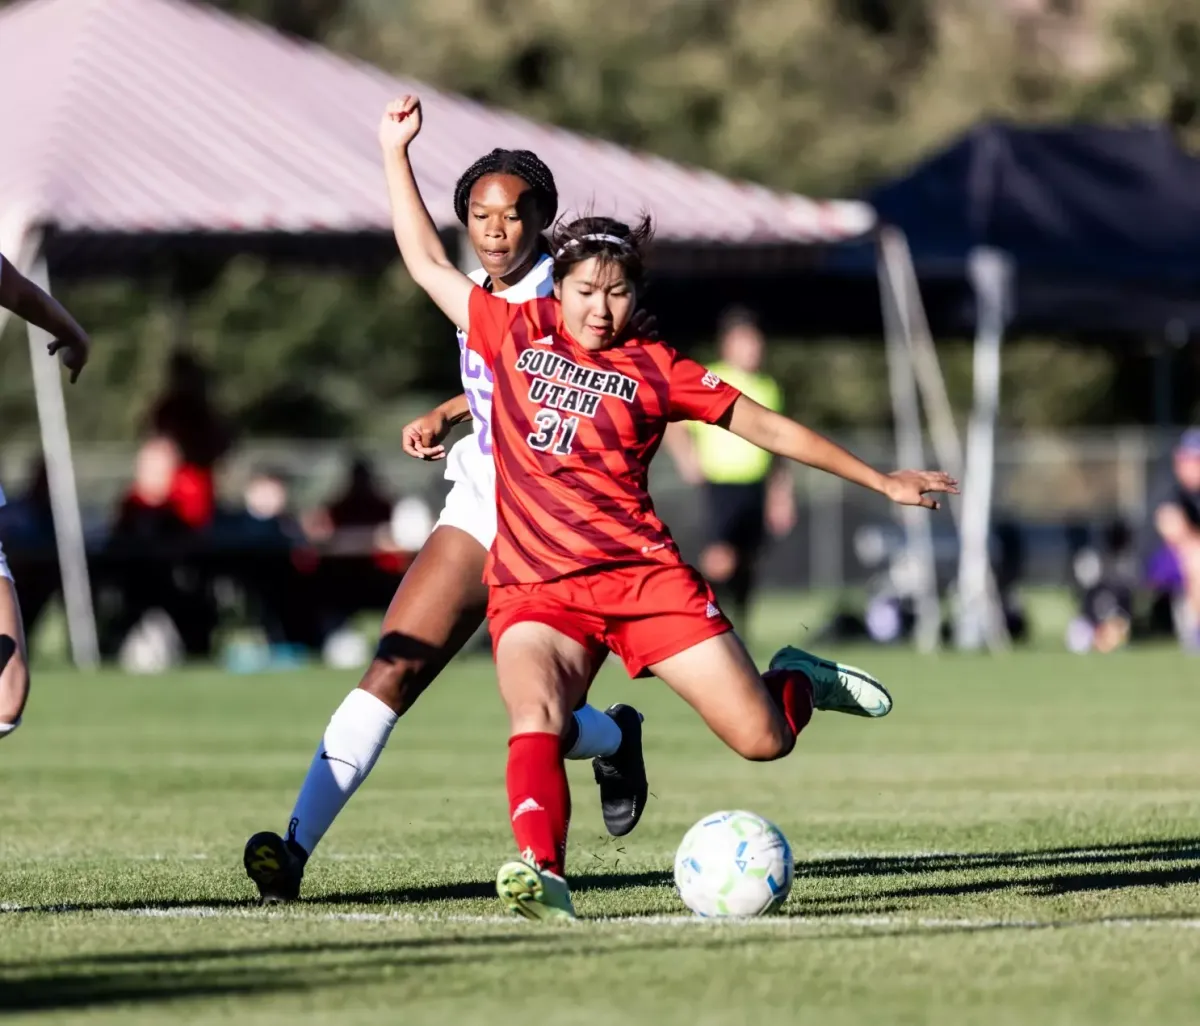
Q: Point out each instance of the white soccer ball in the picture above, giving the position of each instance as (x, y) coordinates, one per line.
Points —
(734, 864)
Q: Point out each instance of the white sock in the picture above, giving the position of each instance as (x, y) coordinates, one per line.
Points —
(8, 728)
(355, 736)
(598, 734)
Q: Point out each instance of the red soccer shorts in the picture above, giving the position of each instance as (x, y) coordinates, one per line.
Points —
(642, 614)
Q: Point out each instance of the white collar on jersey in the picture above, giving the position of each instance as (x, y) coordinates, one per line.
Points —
(538, 282)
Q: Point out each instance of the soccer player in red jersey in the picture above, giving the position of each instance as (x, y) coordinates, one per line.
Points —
(581, 564)
(505, 200)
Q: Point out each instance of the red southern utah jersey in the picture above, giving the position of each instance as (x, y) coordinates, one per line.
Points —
(574, 431)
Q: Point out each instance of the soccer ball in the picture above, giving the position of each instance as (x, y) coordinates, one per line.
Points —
(734, 864)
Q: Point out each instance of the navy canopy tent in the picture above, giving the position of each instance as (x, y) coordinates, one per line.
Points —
(1082, 229)
(1102, 226)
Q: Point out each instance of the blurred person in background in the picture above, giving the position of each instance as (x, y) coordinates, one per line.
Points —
(275, 570)
(267, 498)
(1177, 522)
(29, 302)
(361, 504)
(1106, 582)
(358, 566)
(152, 556)
(747, 492)
(185, 414)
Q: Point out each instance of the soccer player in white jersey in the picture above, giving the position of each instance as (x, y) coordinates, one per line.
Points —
(26, 300)
(506, 200)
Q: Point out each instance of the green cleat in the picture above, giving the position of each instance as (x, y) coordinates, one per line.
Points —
(836, 687)
(534, 893)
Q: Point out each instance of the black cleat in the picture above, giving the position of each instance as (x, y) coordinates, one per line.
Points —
(276, 866)
(622, 775)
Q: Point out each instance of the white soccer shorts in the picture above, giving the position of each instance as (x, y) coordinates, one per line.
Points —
(471, 503)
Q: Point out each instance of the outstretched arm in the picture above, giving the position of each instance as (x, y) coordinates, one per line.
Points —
(784, 437)
(30, 303)
(416, 235)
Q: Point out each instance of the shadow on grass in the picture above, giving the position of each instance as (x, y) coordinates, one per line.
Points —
(476, 890)
(1041, 872)
(149, 977)
(1038, 871)
(1065, 870)
(415, 894)
(1172, 850)
(253, 968)
(156, 977)
(81, 981)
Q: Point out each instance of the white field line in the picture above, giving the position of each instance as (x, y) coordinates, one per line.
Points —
(880, 922)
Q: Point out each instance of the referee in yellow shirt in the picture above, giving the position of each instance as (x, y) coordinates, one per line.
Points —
(746, 491)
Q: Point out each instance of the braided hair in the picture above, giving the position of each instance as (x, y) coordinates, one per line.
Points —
(524, 164)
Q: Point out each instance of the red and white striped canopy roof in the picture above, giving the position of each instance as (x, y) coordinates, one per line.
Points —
(137, 116)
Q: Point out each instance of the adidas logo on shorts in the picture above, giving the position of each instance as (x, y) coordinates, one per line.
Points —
(712, 611)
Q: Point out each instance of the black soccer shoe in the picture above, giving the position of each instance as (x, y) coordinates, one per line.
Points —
(622, 775)
(276, 866)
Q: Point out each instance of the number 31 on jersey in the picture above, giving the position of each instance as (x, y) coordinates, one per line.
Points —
(553, 430)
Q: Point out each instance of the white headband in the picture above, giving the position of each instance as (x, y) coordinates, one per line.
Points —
(614, 239)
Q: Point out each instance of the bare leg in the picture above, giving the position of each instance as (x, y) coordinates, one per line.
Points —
(542, 675)
(718, 679)
(14, 664)
(440, 603)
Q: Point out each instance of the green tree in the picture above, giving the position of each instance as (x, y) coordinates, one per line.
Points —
(822, 96)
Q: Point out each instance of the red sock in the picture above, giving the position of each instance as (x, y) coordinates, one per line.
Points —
(792, 692)
(539, 799)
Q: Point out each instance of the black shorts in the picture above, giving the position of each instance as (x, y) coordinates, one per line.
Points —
(735, 514)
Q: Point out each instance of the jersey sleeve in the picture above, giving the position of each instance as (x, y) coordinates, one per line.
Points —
(491, 319)
(696, 393)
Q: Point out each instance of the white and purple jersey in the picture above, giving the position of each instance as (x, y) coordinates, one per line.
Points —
(471, 458)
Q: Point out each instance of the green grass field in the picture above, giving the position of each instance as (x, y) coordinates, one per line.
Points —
(1018, 843)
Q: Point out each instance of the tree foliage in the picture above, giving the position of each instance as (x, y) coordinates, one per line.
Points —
(822, 96)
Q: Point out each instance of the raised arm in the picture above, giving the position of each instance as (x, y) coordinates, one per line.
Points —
(784, 437)
(416, 235)
(30, 303)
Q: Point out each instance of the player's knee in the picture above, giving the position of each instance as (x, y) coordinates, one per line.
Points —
(536, 716)
(395, 680)
(767, 743)
(14, 680)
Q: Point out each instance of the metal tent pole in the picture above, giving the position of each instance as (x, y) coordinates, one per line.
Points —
(935, 397)
(910, 454)
(991, 276)
(60, 472)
